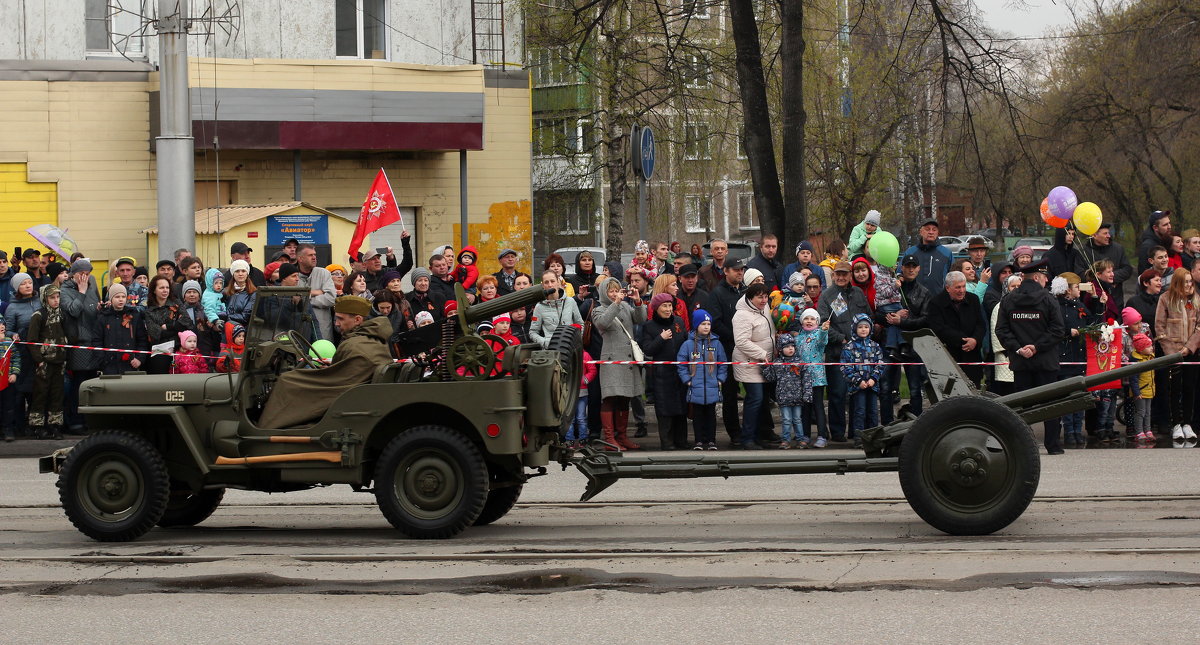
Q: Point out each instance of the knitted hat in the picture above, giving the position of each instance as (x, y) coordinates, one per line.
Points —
(641, 247)
(660, 299)
(862, 319)
(17, 279)
(700, 316)
(271, 268)
(502, 318)
(191, 285)
(239, 265)
(388, 276)
(804, 246)
(353, 305)
(1131, 316)
(785, 340)
(117, 289)
(336, 267)
(186, 334)
(1024, 249)
(751, 275)
(286, 270)
(872, 217)
(1143, 344)
(420, 272)
(811, 313)
(54, 269)
(450, 308)
(423, 316)
(238, 329)
(82, 264)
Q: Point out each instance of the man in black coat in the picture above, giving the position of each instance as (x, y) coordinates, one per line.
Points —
(914, 299)
(722, 303)
(1102, 247)
(1030, 327)
(956, 316)
(690, 293)
(1158, 233)
(767, 261)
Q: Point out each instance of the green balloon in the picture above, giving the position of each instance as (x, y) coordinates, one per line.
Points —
(323, 349)
(884, 248)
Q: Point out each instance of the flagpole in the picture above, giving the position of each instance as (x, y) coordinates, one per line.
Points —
(403, 227)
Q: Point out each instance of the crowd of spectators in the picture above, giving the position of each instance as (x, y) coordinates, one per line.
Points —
(829, 328)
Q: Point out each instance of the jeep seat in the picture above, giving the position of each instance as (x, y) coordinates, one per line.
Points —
(396, 373)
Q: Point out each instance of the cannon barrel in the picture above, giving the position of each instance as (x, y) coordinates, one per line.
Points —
(1053, 391)
(502, 305)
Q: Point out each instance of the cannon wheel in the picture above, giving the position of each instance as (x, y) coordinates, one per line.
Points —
(431, 482)
(568, 342)
(969, 466)
(471, 359)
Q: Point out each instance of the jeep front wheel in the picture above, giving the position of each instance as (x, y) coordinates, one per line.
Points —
(431, 482)
(114, 486)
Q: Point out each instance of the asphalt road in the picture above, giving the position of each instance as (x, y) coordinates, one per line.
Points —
(1108, 552)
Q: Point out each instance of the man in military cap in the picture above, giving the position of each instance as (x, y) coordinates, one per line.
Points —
(301, 396)
(1030, 327)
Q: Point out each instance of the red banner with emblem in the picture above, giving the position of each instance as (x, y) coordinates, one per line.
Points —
(1104, 356)
(5, 364)
(378, 211)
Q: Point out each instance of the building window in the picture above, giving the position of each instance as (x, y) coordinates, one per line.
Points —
(697, 213)
(745, 211)
(361, 28)
(697, 72)
(696, 8)
(560, 136)
(552, 66)
(696, 141)
(114, 27)
(576, 217)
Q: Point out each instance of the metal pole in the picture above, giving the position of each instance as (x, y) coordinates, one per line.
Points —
(174, 148)
(296, 176)
(643, 206)
(462, 198)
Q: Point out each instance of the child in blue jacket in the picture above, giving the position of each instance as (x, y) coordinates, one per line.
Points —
(811, 339)
(863, 365)
(703, 382)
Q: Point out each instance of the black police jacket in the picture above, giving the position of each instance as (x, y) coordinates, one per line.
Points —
(1031, 316)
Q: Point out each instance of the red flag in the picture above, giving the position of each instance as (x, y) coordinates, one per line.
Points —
(5, 365)
(378, 211)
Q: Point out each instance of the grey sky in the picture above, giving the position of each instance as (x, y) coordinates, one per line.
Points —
(1024, 17)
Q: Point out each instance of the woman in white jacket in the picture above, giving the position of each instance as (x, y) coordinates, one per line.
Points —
(753, 341)
(552, 312)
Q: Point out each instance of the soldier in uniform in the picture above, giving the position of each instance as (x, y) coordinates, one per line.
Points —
(1030, 326)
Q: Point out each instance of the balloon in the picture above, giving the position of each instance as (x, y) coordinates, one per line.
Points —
(322, 350)
(884, 248)
(1087, 218)
(1062, 202)
(783, 315)
(1049, 218)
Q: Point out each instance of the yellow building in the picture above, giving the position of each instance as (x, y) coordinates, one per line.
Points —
(76, 149)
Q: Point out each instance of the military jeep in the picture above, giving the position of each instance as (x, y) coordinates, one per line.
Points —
(443, 444)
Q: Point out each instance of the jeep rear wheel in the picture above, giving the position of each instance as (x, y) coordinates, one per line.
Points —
(188, 508)
(499, 502)
(431, 482)
(114, 486)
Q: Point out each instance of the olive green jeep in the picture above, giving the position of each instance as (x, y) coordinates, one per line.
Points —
(443, 445)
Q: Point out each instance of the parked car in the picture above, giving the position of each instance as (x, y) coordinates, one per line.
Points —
(952, 242)
(1039, 245)
(569, 253)
(739, 250)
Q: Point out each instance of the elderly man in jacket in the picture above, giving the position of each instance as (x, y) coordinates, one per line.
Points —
(839, 304)
(956, 316)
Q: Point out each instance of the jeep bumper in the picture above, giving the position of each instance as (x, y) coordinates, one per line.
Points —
(52, 463)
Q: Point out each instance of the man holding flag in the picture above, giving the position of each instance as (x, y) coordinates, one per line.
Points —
(378, 211)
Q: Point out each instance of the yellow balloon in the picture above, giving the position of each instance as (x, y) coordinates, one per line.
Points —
(1087, 218)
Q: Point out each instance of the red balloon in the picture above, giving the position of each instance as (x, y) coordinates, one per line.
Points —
(1049, 218)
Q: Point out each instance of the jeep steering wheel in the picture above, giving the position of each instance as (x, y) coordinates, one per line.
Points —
(301, 343)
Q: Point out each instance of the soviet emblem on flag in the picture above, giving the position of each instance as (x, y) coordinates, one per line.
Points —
(376, 204)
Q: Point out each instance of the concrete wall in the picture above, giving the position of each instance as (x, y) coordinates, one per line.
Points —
(433, 32)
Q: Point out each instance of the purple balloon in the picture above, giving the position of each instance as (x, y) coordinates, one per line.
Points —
(1062, 201)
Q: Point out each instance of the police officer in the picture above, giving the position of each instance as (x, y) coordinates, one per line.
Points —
(1030, 326)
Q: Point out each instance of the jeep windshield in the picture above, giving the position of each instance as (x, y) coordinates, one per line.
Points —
(279, 310)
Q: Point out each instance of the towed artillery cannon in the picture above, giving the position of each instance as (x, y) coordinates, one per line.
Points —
(969, 465)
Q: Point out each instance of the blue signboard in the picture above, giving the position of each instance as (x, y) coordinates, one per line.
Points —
(647, 152)
(307, 229)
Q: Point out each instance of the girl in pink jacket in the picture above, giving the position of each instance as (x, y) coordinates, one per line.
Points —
(188, 359)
